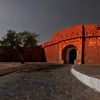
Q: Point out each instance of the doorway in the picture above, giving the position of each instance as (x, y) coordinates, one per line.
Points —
(69, 54)
(72, 56)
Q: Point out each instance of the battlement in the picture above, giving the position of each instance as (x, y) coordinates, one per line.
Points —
(74, 32)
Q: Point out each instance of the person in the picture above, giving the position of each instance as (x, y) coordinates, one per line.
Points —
(22, 60)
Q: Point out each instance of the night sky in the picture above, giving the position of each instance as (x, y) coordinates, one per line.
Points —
(47, 17)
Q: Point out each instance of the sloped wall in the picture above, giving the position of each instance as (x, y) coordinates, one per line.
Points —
(86, 38)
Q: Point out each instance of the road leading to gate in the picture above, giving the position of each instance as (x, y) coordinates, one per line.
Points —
(45, 84)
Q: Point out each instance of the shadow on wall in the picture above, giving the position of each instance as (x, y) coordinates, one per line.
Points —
(35, 54)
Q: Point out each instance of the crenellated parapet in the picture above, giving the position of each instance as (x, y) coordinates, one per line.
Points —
(92, 30)
(65, 34)
(85, 39)
(74, 32)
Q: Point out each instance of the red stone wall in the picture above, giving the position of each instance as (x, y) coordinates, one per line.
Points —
(88, 50)
(52, 53)
(92, 44)
(53, 48)
(9, 55)
(90, 56)
(77, 42)
(30, 55)
(34, 55)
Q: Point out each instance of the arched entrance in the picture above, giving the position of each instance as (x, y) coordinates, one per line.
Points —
(72, 56)
(69, 54)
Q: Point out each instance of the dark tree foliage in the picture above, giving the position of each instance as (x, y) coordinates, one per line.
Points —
(19, 40)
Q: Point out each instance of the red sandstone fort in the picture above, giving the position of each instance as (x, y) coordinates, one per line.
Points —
(77, 44)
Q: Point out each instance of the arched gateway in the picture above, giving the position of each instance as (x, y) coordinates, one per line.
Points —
(69, 54)
(78, 44)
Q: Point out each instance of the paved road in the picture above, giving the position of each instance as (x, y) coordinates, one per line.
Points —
(44, 84)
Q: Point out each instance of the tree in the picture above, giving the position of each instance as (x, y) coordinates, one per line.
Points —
(19, 40)
(9, 40)
(28, 39)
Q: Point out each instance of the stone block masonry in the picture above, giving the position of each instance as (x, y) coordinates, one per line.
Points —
(78, 44)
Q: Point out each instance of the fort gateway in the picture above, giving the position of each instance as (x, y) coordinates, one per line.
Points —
(78, 44)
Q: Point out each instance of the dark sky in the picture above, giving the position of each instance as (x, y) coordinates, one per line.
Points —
(47, 16)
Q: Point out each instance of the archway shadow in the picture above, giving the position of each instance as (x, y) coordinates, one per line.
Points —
(69, 54)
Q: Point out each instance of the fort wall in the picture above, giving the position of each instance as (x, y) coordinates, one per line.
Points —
(86, 38)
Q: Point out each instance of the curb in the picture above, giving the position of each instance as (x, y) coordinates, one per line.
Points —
(11, 70)
(91, 82)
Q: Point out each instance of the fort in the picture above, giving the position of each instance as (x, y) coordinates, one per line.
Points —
(78, 44)
(75, 45)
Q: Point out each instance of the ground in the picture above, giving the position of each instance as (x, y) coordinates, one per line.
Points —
(45, 84)
(90, 70)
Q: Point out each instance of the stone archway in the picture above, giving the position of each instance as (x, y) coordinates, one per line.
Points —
(69, 54)
(72, 56)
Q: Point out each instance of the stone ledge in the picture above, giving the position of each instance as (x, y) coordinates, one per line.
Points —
(93, 83)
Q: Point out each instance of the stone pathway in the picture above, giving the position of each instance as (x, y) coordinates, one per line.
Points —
(44, 84)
